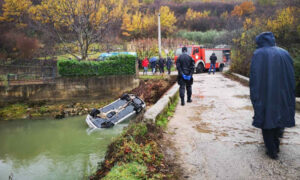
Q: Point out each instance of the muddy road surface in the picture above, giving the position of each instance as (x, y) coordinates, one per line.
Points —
(212, 137)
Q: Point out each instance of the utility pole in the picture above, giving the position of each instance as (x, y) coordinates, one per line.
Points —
(159, 35)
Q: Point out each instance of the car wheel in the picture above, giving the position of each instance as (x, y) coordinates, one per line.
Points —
(221, 67)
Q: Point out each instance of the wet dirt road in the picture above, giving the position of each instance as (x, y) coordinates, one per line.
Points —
(212, 138)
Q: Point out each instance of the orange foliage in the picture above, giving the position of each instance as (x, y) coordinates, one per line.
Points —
(246, 8)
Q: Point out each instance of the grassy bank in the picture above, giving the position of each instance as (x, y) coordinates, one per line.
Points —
(136, 153)
(43, 110)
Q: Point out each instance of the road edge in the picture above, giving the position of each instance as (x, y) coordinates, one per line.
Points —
(152, 113)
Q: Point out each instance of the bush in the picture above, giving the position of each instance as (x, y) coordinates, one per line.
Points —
(18, 46)
(115, 65)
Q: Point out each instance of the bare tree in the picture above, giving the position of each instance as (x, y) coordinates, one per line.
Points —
(77, 24)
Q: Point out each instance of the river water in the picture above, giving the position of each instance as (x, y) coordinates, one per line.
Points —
(52, 149)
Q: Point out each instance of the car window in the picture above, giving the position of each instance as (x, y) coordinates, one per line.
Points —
(179, 51)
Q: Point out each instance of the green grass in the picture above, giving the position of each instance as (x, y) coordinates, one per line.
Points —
(146, 77)
(15, 111)
(163, 119)
(128, 171)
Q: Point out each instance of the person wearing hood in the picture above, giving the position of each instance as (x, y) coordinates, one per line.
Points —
(161, 65)
(169, 64)
(185, 65)
(213, 59)
(272, 91)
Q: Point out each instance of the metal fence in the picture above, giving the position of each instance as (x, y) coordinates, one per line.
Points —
(22, 74)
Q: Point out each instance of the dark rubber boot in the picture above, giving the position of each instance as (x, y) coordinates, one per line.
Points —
(189, 100)
(182, 102)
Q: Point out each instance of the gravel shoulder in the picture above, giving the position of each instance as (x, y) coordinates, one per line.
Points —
(212, 138)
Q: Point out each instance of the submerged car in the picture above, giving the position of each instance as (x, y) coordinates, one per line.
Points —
(126, 107)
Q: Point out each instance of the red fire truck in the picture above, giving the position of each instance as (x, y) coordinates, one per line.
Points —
(201, 56)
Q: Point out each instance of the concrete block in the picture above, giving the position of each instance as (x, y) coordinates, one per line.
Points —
(241, 77)
(152, 113)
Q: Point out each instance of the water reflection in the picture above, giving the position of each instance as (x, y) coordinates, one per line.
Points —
(52, 149)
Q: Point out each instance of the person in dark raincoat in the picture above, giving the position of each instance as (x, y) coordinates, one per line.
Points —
(169, 64)
(161, 65)
(213, 59)
(185, 65)
(272, 91)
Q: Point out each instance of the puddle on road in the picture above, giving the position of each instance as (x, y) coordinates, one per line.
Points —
(250, 108)
(247, 143)
(200, 129)
(199, 111)
(230, 85)
(242, 96)
(224, 134)
(196, 118)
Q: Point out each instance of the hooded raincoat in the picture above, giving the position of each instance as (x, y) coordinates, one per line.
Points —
(272, 85)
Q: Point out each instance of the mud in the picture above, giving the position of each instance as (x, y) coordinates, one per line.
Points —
(212, 138)
(152, 90)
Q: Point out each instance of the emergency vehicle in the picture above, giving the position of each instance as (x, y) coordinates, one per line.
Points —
(201, 56)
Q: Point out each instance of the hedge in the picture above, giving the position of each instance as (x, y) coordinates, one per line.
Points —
(115, 65)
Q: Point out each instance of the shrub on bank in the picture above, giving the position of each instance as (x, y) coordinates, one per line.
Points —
(115, 65)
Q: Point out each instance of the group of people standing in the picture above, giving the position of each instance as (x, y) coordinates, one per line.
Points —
(157, 64)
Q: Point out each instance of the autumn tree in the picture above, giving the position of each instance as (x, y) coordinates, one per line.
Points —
(244, 9)
(77, 23)
(191, 14)
(167, 19)
(137, 24)
(14, 11)
(74, 24)
(286, 26)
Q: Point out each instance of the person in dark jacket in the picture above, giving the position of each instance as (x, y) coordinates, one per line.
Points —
(272, 91)
(185, 65)
(213, 59)
(169, 64)
(161, 64)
